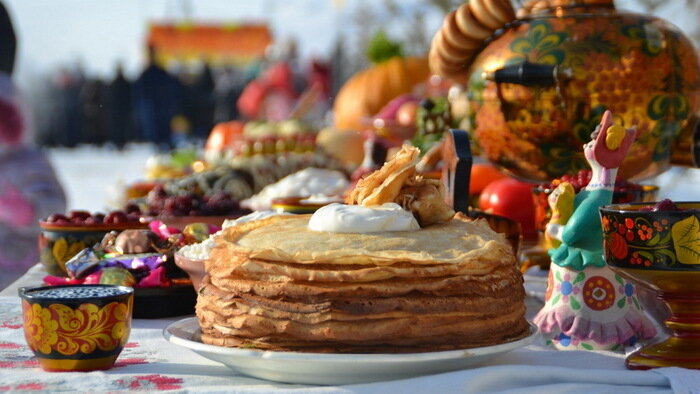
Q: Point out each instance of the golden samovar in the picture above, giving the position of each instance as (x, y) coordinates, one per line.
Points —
(541, 83)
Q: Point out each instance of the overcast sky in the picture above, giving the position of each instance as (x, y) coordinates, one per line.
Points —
(101, 32)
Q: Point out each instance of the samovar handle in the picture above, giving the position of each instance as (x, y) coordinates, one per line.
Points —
(457, 167)
(528, 74)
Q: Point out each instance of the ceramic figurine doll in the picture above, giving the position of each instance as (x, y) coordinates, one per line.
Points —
(587, 305)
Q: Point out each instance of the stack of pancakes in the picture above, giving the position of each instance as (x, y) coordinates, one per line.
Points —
(273, 284)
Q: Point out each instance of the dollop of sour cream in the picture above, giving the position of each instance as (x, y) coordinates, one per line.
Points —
(311, 181)
(341, 218)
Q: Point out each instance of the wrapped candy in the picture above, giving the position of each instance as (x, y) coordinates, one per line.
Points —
(111, 276)
(162, 230)
(196, 232)
(133, 241)
(155, 278)
(84, 263)
(91, 266)
(132, 257)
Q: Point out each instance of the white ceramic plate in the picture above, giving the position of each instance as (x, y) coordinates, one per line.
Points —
(333, 369)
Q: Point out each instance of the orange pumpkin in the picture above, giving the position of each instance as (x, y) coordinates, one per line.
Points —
(223, 135)
(365, 93)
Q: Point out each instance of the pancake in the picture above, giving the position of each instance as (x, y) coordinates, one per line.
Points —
(287, 239)
(275, 285)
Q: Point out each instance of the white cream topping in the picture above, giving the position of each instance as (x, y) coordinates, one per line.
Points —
(308, 182)
(341, 218)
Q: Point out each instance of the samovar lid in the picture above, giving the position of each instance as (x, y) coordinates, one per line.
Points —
(532, 7)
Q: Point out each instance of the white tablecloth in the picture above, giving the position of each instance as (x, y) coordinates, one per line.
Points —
(151, 363)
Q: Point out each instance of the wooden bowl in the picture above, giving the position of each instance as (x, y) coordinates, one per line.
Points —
(77, 327)
(58, 243)
(660, 250)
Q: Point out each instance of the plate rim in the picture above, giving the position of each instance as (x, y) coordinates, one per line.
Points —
(198, 346)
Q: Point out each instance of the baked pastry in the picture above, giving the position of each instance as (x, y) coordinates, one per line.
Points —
(273, 284)
(462, 34)
(397, 182)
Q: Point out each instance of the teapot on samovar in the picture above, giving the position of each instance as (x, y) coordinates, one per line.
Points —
(539, 83)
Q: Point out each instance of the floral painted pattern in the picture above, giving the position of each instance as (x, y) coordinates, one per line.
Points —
(565, 342)
(20, 369)
(566, 288)
(57, 247)
(628, 290)
(642, 240)
(550, 286)
(592, 309)
(540, 45)
(598, 293)
(62, 250)
(608, 59)
(69, 331)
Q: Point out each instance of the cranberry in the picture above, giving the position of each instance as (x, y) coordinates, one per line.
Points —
(91, 221)
(78, 220)
(116, 217)
(132, 208)
(666, 205)
(78, 216)
(56, 217)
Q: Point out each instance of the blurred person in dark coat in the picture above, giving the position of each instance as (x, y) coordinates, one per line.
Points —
(29, 189)
(228, 86)
(158, 98)
(9, 42)
(203, 116)
(120, 110)
(66, 114)
(93, 99)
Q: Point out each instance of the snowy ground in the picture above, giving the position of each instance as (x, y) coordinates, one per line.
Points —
(92, 176)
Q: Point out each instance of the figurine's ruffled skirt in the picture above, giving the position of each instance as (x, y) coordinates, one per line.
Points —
(592, 309)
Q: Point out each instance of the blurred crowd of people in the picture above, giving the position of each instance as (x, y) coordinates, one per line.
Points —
(170, 108)
(166, 107)
(159, 106)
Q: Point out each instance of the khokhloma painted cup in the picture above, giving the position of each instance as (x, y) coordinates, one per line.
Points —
(77, 327)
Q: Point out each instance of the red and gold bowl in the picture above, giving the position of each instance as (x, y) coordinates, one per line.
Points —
(77, 327)
(660, 250)
(543, 213)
